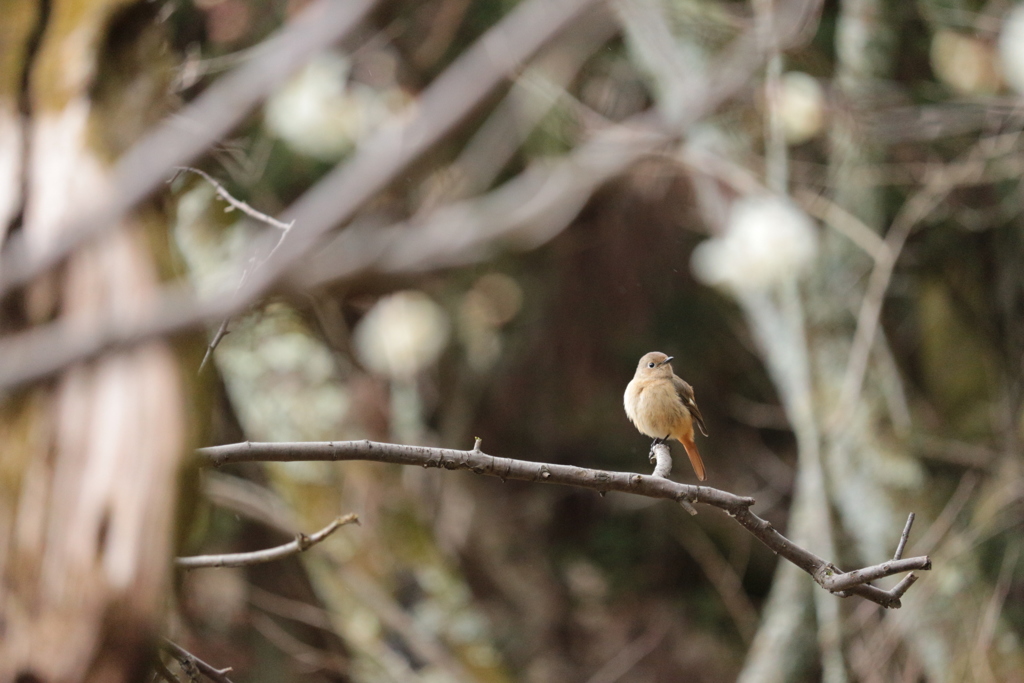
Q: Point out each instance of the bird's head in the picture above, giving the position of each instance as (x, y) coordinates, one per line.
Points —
(654, 364)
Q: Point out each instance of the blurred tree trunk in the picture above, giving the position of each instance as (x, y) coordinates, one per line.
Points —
(90, 463)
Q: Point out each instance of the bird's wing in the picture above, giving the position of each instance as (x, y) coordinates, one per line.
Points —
(685, 392)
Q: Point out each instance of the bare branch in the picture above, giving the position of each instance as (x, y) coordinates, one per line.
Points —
(221, 332)
(903, 537)
(300, 544)
(905, 583)
(475, 460)
(598, 480)
(208, 670)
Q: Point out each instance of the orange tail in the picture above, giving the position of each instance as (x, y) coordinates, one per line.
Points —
(691, 450)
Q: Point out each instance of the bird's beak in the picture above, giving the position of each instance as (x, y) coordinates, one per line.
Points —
(667, 360)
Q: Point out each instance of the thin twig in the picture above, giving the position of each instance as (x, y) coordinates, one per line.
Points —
(208, 670)
(987, 623)
(248, 498)
(296, 610)
(254, 214)
(222, 332)
(944, 522)
(851, 227)
(905, 583)
(630, 655)
(479, 462)
(305, 654)
(237, 203)
(720, 574)
(300, 544)
(903, 537)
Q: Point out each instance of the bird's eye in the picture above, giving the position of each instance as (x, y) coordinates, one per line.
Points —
(650, 365)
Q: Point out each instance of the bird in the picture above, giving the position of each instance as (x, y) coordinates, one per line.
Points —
(662, 406)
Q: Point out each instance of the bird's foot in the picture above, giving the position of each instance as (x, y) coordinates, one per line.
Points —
(656, 442)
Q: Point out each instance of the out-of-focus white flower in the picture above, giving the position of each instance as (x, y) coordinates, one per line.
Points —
(801, 107)
(402, 334)
(1011, 48)
(767, 240)
(317, 113)
(964, 63)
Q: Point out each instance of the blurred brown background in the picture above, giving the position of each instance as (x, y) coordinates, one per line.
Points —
(815, 207)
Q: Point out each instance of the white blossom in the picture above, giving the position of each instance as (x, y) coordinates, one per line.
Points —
(319, 114)
(767, 240)
(402, 334)
(1011, 48)
(801, 107)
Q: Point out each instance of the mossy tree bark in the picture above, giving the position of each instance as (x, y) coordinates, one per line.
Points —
(90, 463)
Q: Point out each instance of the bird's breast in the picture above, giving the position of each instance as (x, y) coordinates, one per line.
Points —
(655, 408)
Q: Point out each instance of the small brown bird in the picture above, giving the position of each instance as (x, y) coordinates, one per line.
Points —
(662, 406)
